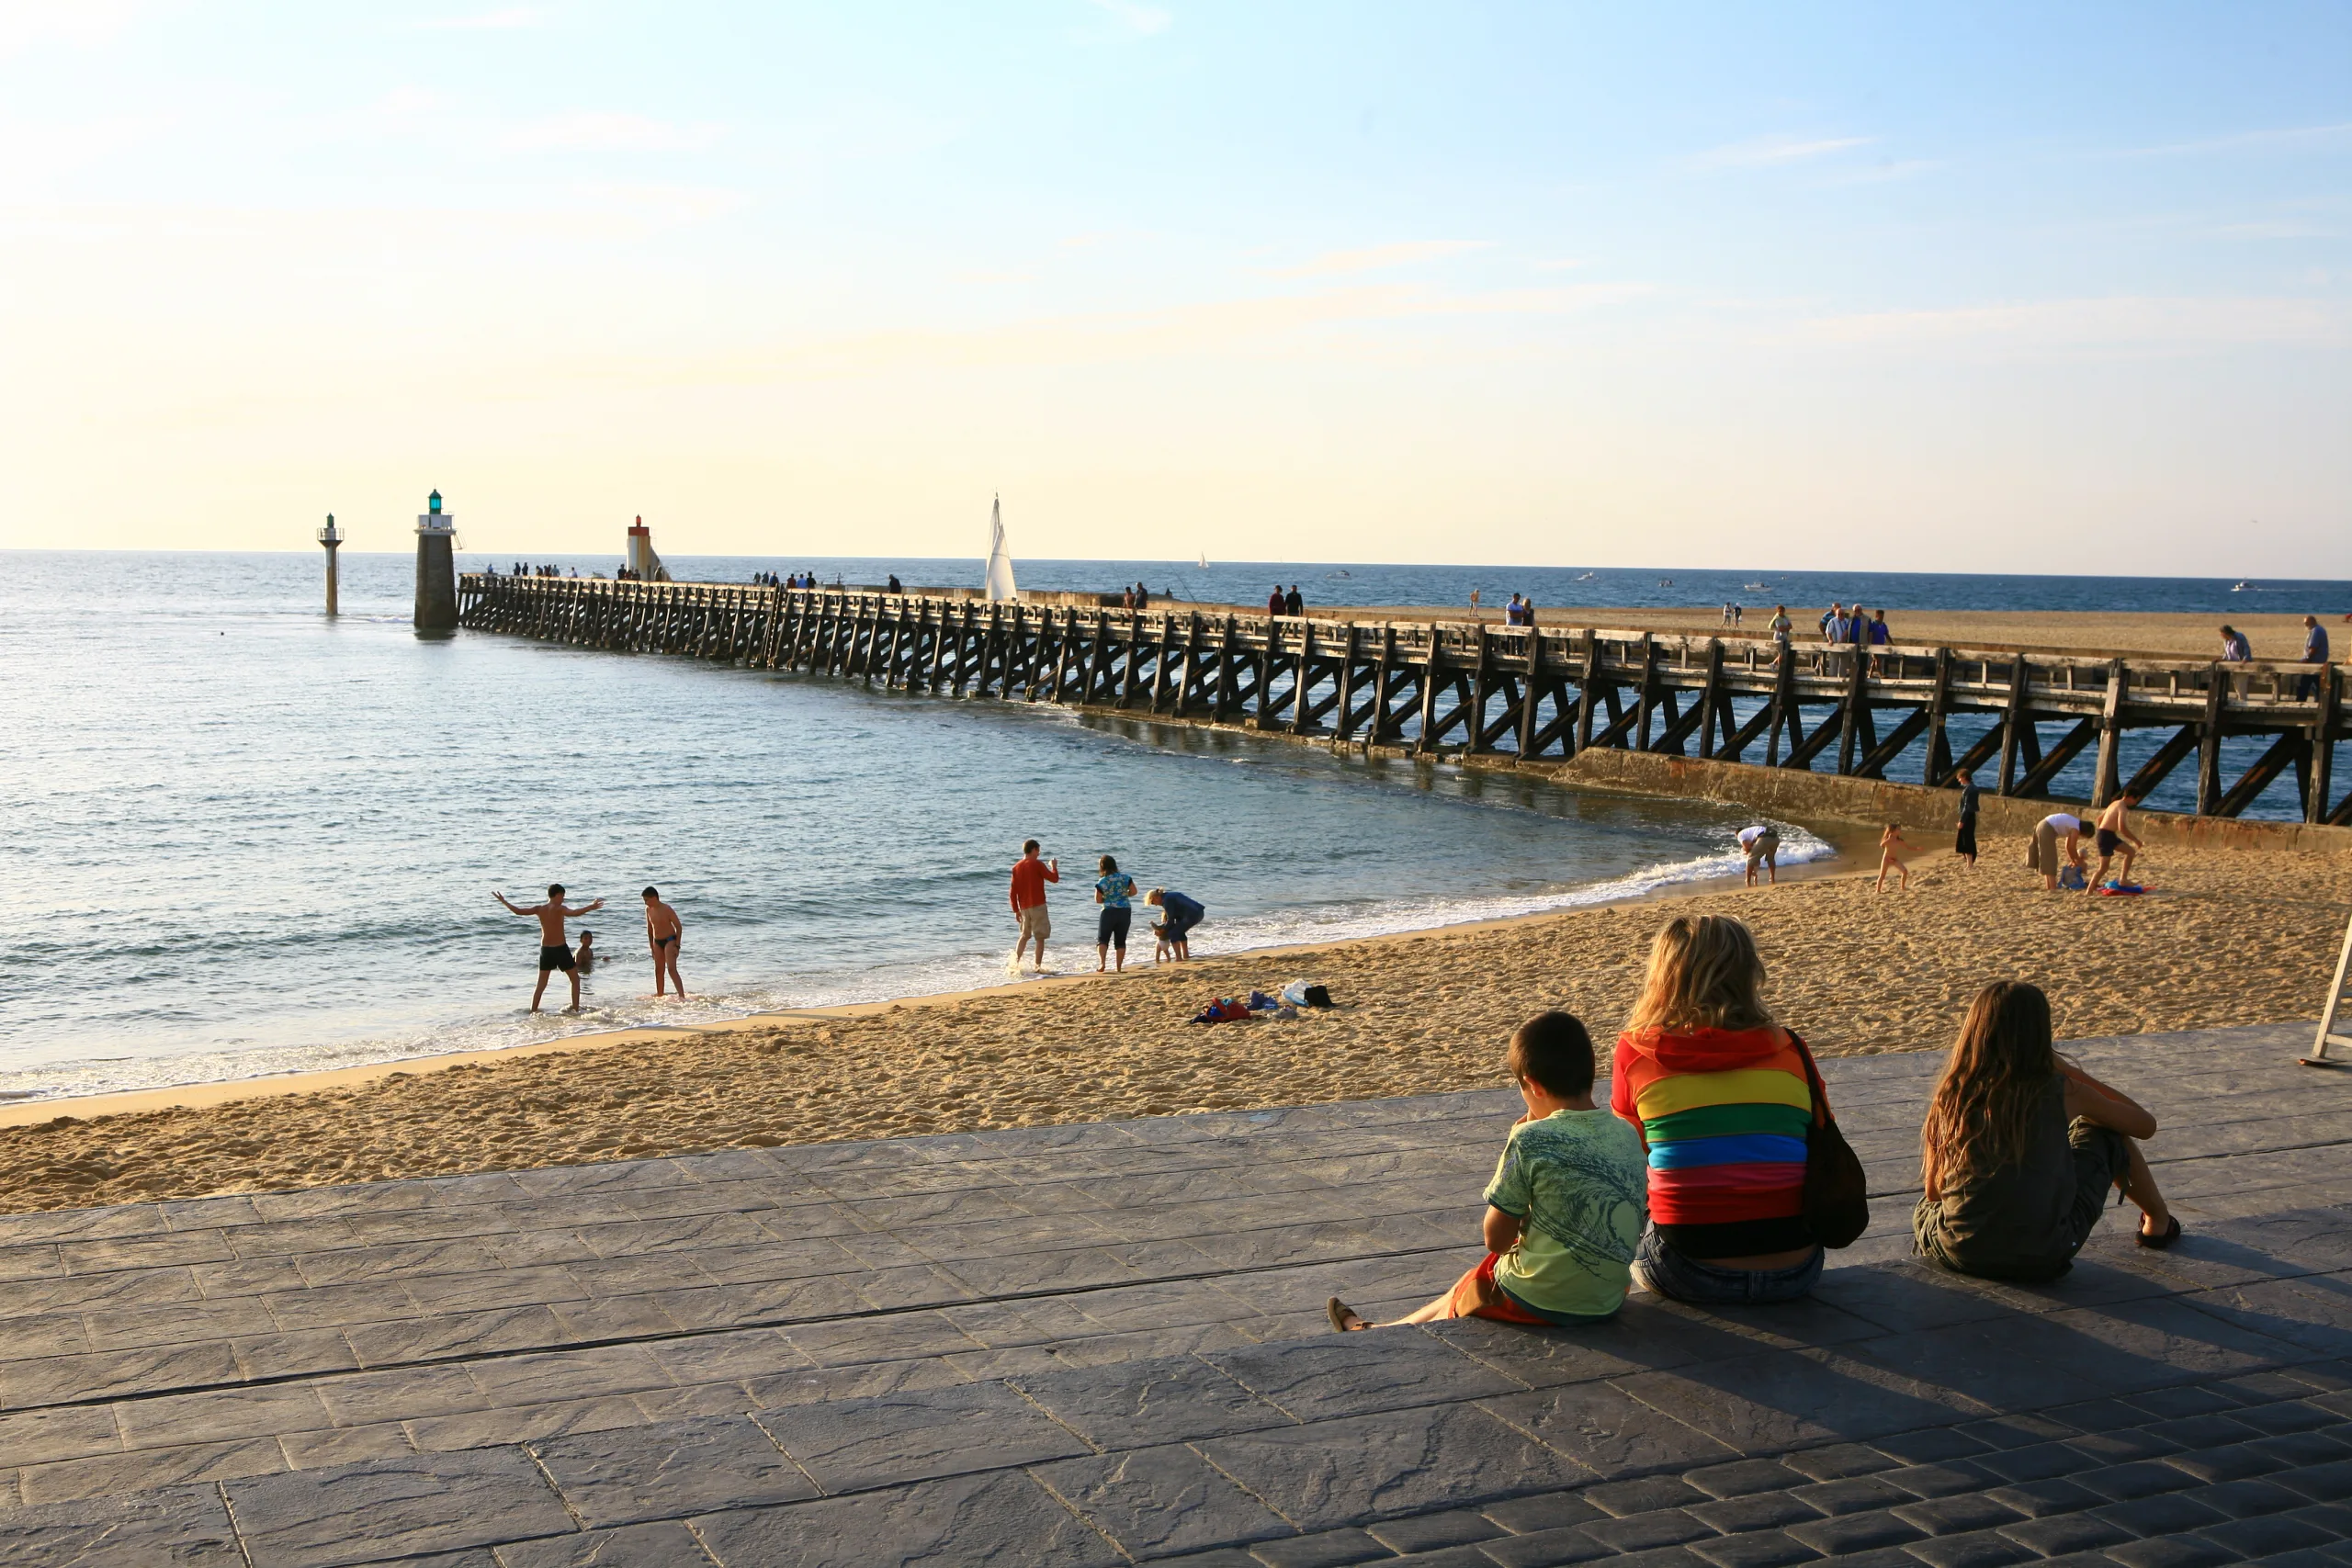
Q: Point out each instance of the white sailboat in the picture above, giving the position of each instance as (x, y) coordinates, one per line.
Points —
(1205, 560)
(1000, 573)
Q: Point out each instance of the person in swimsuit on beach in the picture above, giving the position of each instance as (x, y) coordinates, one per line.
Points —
(663, 930)
(555, 952)
(584, 957)
(1888, 843)
(2114, 833)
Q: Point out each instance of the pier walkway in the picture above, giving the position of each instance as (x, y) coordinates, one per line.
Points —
(1104, 1343)
(2030, 725)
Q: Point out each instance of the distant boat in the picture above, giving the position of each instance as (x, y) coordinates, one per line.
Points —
(1666, 583)
(1205, 560)
(1754, 587)
(2241, 587)
(1333, 576)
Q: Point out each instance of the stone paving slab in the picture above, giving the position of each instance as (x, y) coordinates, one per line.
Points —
(1105, 1344)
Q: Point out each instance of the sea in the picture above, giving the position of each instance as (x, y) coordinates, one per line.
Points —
(244, 839)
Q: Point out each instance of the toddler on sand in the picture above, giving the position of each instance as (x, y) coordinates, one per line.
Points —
(1888, 843)
(1566, 1204)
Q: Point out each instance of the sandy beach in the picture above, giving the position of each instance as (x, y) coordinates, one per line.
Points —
(2230, 937)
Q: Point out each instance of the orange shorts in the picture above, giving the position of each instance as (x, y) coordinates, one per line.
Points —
(1479, 1295)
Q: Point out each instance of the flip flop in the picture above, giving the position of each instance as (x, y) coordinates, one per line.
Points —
(2170, 1233)
(1341, 1314)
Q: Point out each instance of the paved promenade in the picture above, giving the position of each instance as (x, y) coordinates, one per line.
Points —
(1105, 1343)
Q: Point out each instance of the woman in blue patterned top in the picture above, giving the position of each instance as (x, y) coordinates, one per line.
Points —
(1115, 891)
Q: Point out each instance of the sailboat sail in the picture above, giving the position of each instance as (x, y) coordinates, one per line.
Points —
(1205, 560)
(999, 577)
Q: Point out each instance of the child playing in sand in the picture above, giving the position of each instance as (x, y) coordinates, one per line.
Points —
(1888, 843)
(1566, 1204)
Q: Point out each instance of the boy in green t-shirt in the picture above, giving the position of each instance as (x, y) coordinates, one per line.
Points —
(1566, 1204)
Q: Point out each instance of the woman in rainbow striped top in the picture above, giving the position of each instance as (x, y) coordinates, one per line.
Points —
(1721, 1096)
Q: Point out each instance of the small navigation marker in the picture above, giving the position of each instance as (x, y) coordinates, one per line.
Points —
(333, 541)
(436, 572)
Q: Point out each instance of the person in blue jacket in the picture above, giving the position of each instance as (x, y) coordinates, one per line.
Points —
(1180, 916)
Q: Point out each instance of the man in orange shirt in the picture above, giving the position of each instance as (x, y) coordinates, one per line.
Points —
(1030, 875)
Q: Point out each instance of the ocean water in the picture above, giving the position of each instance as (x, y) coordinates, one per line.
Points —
(244, 838)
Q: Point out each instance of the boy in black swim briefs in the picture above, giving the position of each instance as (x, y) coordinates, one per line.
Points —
(663, 930)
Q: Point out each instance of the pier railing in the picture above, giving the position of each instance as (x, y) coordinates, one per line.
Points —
(2017, 720)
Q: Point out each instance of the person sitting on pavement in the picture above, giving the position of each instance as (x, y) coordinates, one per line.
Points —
(2020, 1147)
(1722, 1096)
(1564, 1211)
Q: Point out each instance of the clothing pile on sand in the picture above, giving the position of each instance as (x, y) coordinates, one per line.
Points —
(1298, 993)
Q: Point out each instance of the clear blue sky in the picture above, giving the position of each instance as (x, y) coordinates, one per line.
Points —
(1861, 286)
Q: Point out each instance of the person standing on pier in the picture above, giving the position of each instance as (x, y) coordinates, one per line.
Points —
(663, 931)
(1030, 875)
(1275, 602)
(1293, 606)
(2314, 652)
(555, 952)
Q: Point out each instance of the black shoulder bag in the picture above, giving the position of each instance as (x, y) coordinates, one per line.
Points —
(1837, 1194)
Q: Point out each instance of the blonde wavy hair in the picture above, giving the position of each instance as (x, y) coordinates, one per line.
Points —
(1704, 974)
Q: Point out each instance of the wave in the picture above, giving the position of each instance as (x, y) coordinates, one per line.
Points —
(1346, 921)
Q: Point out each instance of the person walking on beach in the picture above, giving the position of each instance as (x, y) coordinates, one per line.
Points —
(1761, 845)
(555, 952)
(1888, 843)
(2020, 1147)
(1964, 845)
(1180, 915)
(2043, 854)
(1115, 890)
(2314, 652)
(2114, 833)
(1030, 875)
(663, 931)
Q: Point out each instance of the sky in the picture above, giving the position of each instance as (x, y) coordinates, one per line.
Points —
(1993, 288)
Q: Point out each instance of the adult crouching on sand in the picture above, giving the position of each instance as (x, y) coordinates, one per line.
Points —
(1178, 915)
(2020, 1147)
(1722, 1098)
(2043, 851)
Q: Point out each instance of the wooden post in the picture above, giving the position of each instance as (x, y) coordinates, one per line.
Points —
(1939, 747)
(1383, 674)
(1299, 683)
(1423, 743)
(2105, 779)
(1707, 697)
(1529, 692)
(1188, 662)
(1479, 673)
(1587, 691)
(1784, 703)
(2012, 721)
(2323, 772)
(1267, 657)
(1342, 724)
(1646, 696)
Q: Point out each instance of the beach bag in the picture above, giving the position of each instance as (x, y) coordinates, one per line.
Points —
(2072, 879)
(1837, 1194)
(1300, 994)
(1222, 1010)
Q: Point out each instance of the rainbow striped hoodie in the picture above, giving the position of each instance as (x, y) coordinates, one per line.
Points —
(1724, 1114)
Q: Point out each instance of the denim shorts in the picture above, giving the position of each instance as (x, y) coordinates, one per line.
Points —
(1667, 1271)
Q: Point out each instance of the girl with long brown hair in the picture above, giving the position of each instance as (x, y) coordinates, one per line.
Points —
(1719, 1094)
(2020, 1148)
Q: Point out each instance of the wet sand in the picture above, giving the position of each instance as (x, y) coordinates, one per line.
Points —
(2231, 936)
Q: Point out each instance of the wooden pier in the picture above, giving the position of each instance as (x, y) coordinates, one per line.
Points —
(1496, 693)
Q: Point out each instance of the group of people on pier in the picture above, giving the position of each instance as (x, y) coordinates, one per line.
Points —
(1716, 1174)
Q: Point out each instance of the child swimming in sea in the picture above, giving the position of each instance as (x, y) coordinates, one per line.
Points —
(1888, 843)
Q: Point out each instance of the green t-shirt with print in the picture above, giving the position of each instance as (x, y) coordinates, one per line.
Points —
(1579, 1184)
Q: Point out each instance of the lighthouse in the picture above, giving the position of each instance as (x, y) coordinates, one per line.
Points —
(436, 569)
(333, 541)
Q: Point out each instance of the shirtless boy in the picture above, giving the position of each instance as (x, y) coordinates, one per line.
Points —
(2114, 833)
(663, 930)
(555, 952)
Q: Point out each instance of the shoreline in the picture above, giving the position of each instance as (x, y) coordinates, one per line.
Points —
(1847, 842)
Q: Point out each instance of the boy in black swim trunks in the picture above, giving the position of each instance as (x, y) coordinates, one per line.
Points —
(555, 952)
(663, 928)
(2114, 834)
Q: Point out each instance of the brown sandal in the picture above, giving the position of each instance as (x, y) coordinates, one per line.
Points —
(1344, 1318)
